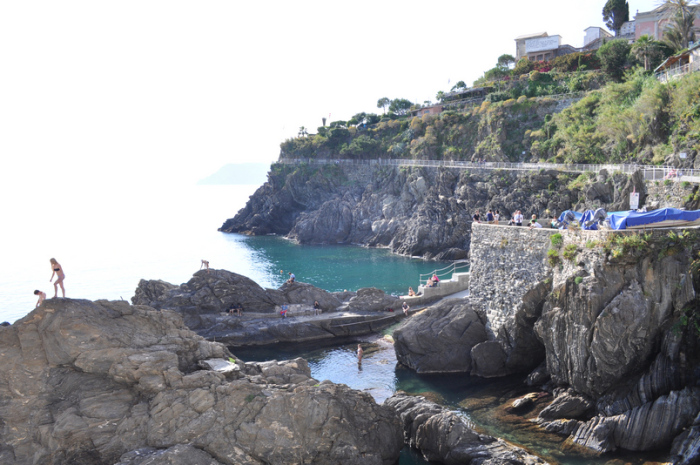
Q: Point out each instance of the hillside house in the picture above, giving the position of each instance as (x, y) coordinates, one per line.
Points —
(678, 65)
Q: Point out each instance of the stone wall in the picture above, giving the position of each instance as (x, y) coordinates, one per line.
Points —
(506, 262)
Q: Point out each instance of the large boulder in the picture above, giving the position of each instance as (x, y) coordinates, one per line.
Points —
(84, 383)
(372, 300)
(440, 339)
(443, 436)
(211, 292)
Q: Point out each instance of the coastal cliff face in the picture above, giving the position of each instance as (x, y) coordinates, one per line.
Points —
(413, 211)
(611, 318)
(93, 383)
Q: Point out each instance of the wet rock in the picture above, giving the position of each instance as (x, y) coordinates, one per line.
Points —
(528, 400)
(442, 436)
(84, 383)
(567, 404)
(440, 339)
(651, 426)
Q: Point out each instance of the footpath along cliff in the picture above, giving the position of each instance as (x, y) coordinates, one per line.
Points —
(608, 323)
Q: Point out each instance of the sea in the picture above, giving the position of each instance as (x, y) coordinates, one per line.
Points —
(107, 242)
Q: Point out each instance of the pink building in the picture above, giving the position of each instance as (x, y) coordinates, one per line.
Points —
(654, 22)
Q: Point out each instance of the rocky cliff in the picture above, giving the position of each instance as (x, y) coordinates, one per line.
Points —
(413, 211)
(611, 318)
(91, 383)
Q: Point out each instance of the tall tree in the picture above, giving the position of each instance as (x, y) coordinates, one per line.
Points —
(303, 132)
(679, 30)
(400, 106)
(383, 103)
(440, 96)
(616, 12)
(649, 51)
(505, 60)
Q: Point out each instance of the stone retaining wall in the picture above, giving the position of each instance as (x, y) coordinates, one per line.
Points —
(506, 261)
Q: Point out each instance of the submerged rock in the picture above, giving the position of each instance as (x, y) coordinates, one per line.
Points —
(444, 437)
(84, 383)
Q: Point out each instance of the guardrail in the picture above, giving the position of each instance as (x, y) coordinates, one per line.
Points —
(651, 172)
(455, 267)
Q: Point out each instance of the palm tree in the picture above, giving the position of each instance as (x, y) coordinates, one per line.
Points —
(643, 48)
(681, 14)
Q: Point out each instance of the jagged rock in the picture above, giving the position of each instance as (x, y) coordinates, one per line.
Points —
(443, 436)
(563, 427)
(440, 339)
(84, 383)
(211, 292)
(372, 300)
(567, 404)
(414, 211)
(597, 335)
(652, 426)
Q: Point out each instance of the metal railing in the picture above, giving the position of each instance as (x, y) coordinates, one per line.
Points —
(673, 73)
(650, 172)
(455, 267)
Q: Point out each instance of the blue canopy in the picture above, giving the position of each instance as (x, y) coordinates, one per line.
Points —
(630, 219)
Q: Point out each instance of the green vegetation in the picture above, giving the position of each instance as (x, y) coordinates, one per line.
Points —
(570, 252)
(553, 258)
(620, 245)
(557, 240)
(578, 280)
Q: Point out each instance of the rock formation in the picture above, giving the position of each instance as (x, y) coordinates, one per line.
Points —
(614, 318)
(204, 300)
(91, 383)
(444, 437)
(413, 211)
(211, 292)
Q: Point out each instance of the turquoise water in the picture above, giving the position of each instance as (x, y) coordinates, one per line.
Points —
(335, 267)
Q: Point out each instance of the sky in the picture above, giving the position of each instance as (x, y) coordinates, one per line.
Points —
(112, 95)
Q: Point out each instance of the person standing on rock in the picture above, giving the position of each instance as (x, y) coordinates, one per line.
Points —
(42, 296)
(205, 264)
(60, 276)
(489, 217)
(291, 278)
(518, 218)
(360, 352)
(475, 217)
(496, 217)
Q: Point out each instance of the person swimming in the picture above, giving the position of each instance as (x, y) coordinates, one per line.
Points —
(60, 276)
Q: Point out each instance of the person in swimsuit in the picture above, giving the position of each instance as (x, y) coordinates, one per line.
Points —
(60, 276)
(360, 352)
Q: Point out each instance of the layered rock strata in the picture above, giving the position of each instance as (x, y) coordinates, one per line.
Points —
(106, 382)
(611, 315)
(443, 436)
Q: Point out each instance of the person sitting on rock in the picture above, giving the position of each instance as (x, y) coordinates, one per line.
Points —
(435, 280)
(411, 293)
(291, 278)
(475, 217)
(284, 311)
(534, 223)
(317, 308)
(405, 308)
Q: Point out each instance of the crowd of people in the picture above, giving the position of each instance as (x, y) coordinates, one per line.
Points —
(493, 217)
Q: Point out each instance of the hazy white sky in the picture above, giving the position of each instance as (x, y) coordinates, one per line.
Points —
(113, 94)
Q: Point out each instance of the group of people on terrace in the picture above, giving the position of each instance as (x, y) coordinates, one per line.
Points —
(493, 217)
